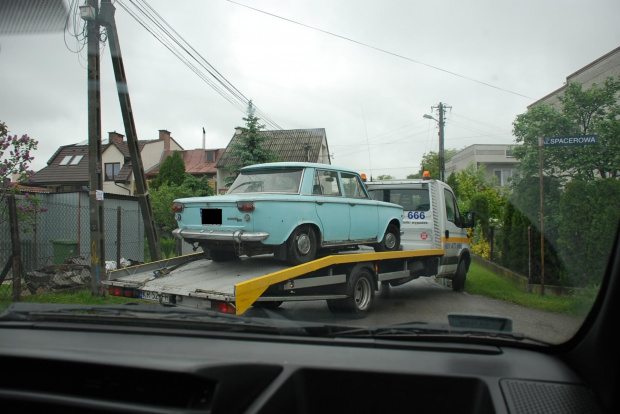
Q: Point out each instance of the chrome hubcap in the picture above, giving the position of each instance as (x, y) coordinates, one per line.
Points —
(303, 243)
(390, 240)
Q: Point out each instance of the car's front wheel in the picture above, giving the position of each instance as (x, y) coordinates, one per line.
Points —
(301, 246)
(391, 240)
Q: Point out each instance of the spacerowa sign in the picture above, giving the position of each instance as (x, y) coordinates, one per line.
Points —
(571, 140)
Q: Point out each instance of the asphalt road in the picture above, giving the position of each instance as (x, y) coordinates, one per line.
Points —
(425, 300)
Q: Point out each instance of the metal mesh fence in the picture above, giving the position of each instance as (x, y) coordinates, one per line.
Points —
(54, 235)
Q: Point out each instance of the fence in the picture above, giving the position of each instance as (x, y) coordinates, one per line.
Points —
(54, 233)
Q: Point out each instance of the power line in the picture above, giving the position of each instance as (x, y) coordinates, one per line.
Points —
(153, 22)
(381, 50)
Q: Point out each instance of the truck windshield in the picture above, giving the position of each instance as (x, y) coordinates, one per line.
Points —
(410, 199)
(268, 181)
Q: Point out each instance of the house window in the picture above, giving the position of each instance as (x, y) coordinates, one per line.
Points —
(210, 156)
(66, 160)
(111, 170)
(509, 153)
(77, 160)
(502, 176)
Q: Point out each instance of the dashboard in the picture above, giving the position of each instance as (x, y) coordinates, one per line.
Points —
(91, 368)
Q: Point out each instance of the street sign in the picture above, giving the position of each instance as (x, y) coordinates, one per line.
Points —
(571, 140)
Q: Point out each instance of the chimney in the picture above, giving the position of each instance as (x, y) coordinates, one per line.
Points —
(203, 137)
(165, 135)
(115, 137)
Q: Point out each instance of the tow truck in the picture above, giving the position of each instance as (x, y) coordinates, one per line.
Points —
(347, 281)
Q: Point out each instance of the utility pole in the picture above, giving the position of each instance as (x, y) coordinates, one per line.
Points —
(107, 19)
(441, 108)
(442, 159)
(95, 181)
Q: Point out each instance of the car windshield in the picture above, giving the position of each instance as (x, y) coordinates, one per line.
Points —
(267, 181)
(433, 159)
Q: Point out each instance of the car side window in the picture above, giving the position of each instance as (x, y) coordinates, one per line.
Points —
(353, 186)
(326, 183)
(452, 209)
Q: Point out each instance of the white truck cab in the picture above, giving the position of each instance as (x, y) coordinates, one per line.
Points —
(431, 220)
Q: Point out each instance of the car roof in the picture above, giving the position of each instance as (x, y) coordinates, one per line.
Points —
(275, 165)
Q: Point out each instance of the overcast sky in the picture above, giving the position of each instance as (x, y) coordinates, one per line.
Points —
(367, 72)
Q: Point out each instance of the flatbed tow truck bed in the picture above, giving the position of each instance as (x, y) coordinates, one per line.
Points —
(233, 286)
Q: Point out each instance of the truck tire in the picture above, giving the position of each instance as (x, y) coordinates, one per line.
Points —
(360, 292)
(458, 280)
(301, 246)
(391, 240)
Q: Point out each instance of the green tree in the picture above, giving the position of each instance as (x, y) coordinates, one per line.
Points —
(585, 240)
(163, 197)
(385, 177)
(430, 162)
(249, 147)
(172, 171)
(595, 110)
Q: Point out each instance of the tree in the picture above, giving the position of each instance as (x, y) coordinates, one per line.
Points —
(15, 158)
(385, 177)
(249, 146)
(172, 171)
(163, 197)
(430, 162)
(582, 112)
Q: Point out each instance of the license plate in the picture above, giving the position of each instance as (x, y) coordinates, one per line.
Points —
(211, 216)
(154, 296)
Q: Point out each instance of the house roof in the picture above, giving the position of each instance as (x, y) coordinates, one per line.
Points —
(293, 145)
(75, 171)
(574, 74)
(195, 161)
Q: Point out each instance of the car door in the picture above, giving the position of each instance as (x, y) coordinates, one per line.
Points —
(331, 207)
(363, 212)
(454, 236)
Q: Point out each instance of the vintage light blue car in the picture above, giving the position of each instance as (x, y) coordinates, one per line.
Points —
(290, 209)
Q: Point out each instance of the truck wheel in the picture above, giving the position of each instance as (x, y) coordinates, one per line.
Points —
(391, 240)
(301, 246)
(458, 280)
(360, 292)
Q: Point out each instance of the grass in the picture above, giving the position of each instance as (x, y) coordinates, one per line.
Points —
(481, 281)
(82, 297)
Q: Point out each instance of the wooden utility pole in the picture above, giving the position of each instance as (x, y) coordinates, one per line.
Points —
(107, 19)
(95, 181)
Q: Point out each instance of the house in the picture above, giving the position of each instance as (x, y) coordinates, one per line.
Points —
(68, 169)
(294, 145)
(198, 162)
(497, 159)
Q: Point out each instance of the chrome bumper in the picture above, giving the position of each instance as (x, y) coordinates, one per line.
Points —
(220, 235)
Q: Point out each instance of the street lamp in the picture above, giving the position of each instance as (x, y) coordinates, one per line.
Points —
(427, 116)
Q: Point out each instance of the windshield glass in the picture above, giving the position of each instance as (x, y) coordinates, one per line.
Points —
(267, 181)
(494, 125)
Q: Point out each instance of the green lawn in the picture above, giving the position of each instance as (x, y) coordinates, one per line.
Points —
(83, 297)
(481, 281)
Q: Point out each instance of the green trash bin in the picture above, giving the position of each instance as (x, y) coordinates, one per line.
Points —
(63, 249)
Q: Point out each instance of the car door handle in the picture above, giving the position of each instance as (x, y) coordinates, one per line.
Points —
(320, 202)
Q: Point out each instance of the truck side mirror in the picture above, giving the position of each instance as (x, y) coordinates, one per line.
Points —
(470, 220)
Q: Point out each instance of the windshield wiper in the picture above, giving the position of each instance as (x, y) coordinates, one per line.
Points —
(148, 315)
(428, 329)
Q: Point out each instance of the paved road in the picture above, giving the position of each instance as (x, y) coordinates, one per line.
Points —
(427, 301)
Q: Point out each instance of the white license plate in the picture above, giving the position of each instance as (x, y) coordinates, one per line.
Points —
(154, 296)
